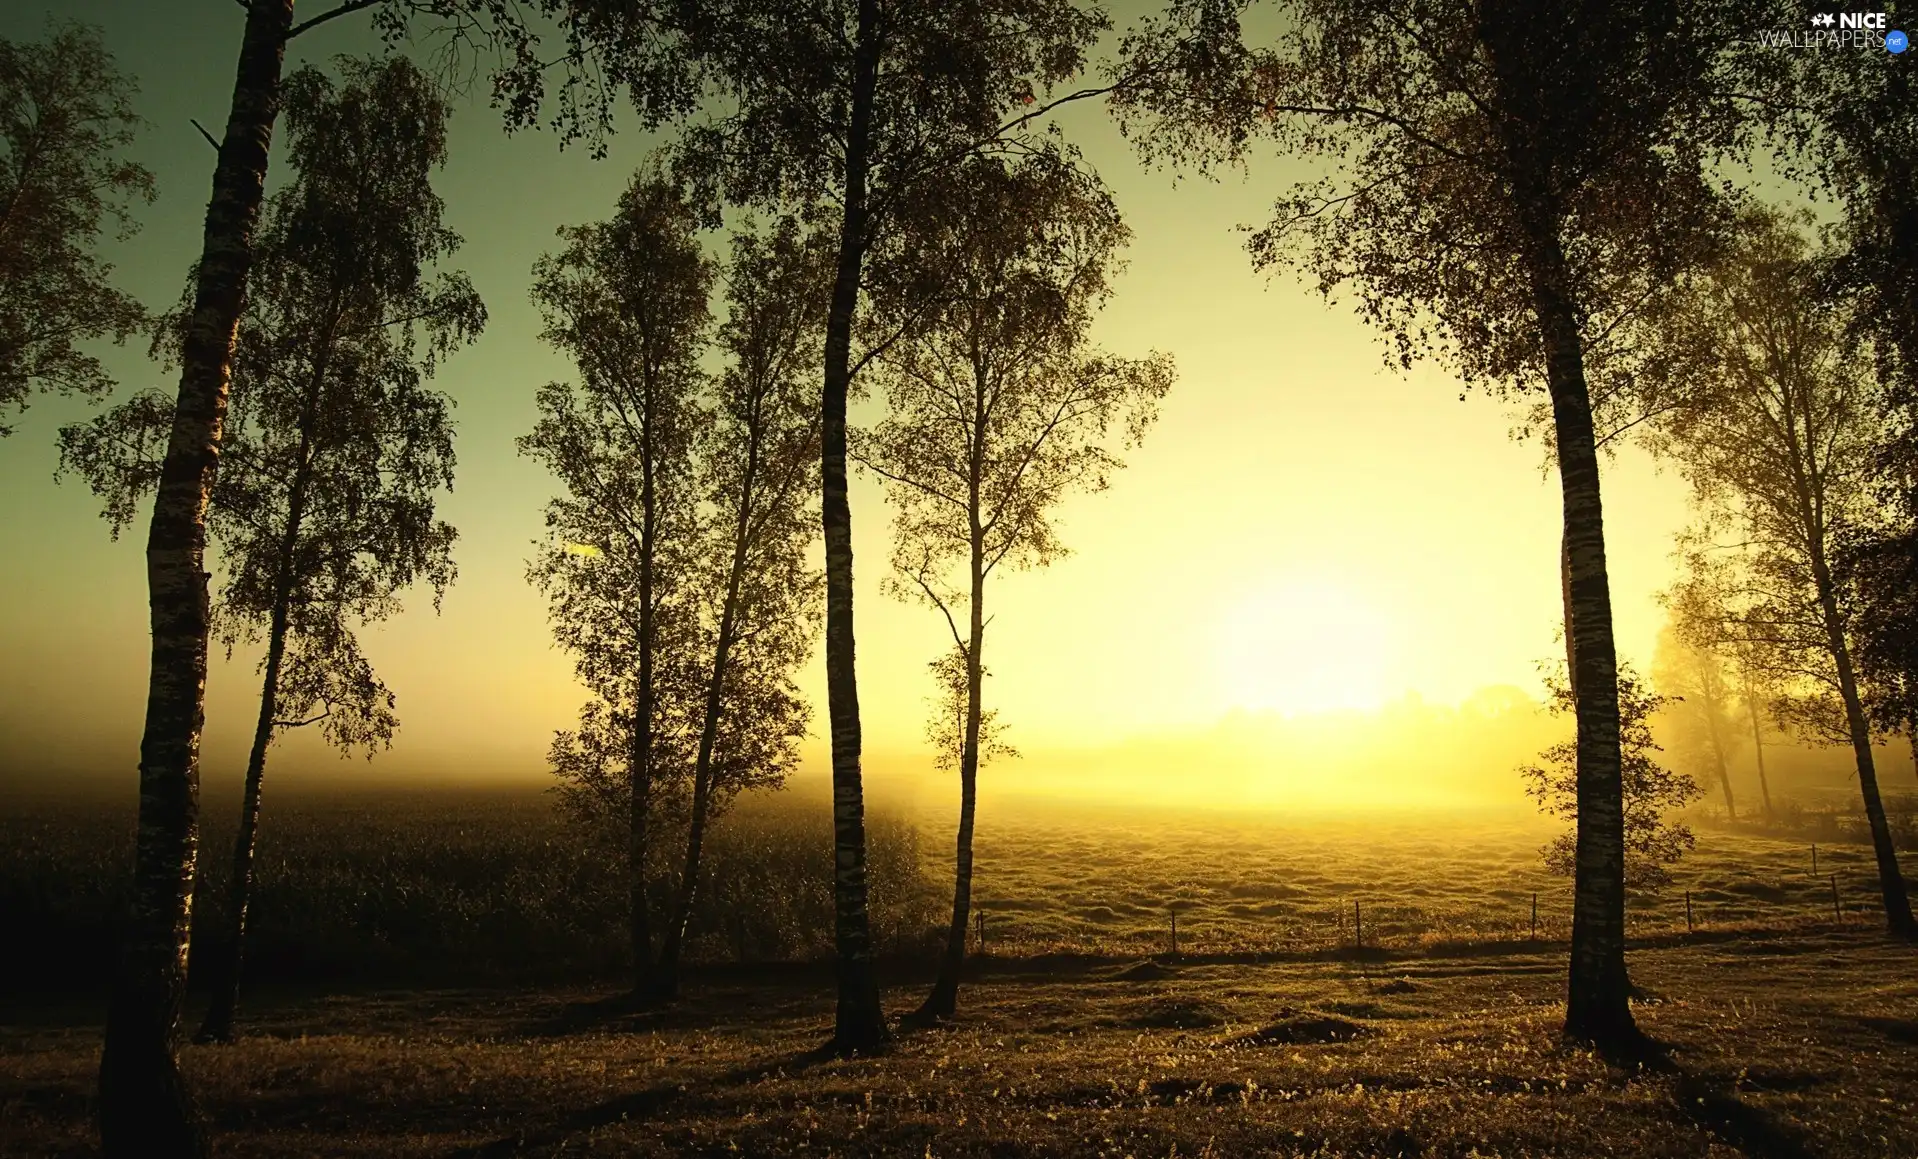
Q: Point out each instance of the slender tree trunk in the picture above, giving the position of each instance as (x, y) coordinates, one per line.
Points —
(666, 978)
(229, 949)
(145, 1107)
(228, 954)
(1718, 750)
(1891, 881)
(860, 1024)
(1598, 994)
(1758, 749)
(641, 771)
(943, 1002)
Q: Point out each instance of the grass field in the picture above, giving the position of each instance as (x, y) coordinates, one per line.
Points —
(401, 1017)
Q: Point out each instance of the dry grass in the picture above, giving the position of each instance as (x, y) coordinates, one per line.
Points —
(1788, 1046)
(1790, 1033)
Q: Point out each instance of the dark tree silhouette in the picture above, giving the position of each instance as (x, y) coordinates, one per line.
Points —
(333, 445)
(860, 105)
(1501, 168)
(66, 115)
(627, 300)
(998, 408)
(757, 465)
(145, 1108)
(1780, 457)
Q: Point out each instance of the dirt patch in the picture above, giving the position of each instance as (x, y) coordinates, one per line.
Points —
(1146, 972)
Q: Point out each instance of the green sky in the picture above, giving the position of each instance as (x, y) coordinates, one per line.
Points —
(1303, 530)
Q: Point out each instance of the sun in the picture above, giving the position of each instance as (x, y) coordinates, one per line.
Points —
(1304, 646)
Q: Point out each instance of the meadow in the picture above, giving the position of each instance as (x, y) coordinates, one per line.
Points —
(438, 975)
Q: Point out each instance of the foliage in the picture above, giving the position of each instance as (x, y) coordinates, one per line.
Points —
(757, 461)
(998, 406)
(66, 118)
(334, 445)
(1778, 450)
(1652, 841)
(946, 726)
(1420, 215)
(627, 299)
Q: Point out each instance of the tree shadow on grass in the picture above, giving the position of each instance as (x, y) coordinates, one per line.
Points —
(638, 1104)
(1711, 1102)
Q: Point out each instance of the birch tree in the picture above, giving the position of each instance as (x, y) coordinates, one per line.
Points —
(66, 119)
(1781, 463)
(1498, 169)
(335, 445)
(146, 1109)
(757, 467)
(998, 407)
(627, 300)
(860, 105)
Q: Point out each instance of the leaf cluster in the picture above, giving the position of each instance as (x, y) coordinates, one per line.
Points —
(1652, 841)
(66, 119)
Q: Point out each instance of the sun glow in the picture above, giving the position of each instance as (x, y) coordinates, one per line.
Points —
(1302, 647)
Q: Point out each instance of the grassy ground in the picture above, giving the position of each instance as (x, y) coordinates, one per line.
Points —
(1783, 1045)
(1792, 1031)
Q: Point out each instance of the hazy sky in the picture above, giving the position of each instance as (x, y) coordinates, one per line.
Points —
(1303, 529)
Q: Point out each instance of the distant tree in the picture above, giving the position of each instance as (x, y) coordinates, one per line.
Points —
(1781, 461)
(1651, 791)
(1502, 171)
(859, 106)
(145, 1107)
(66, 116)
(1691, 677)
(627, 301)
(1700, 605)
(998, 407)
(334, 445)
(757, 468)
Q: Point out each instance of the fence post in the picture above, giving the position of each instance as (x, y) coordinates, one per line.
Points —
(1175, 931)
(982, 931)
(1836, 913)
(1814, 859)
(1358, 927)
(1535, 915)
(1688, 911)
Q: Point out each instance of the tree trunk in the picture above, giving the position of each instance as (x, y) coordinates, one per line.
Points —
(943, 1002)
(641, 768)
(229, 949)
(666, 977)
(229, 952)
(1891, 882)
(1718, 747)
(145, 1107)
(1598, 994)
(859, 1025)
(1758, 749)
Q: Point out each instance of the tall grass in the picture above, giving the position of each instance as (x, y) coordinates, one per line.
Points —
(448, 889)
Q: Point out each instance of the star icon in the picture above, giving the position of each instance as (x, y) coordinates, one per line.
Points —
(1823, 18)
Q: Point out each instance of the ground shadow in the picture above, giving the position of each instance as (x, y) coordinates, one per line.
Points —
(1711, 1102)
(638, 1104)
